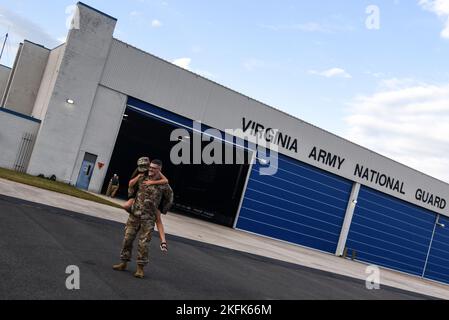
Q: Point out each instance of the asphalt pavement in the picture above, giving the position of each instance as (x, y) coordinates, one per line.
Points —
(38, 243)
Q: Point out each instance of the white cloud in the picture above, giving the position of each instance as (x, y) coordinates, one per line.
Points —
(62, 39)
(135, 14)
(441, 9)
(399, 83)
(22, 28)
(375, 74)
(408, 124)
(205, 74)
(156, 23)
(309, 27)
(183, 63)
(332, 73)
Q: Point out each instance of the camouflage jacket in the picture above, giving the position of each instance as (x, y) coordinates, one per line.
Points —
(150, 198)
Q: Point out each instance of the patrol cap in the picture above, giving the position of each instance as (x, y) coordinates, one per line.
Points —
(143, 164)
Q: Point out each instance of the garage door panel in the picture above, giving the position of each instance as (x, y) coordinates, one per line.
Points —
(391, 262)
(398, 219)
(381, 204)
(299, 200)
(391, 239)
(304, 197)
(438, 263)
(302, 217)
(299, 204)
(298, 226)
(390, 232)
(269, 230)
(291, 183)
(439, 259)
(318, 177)
(389, 245)
(398, 230)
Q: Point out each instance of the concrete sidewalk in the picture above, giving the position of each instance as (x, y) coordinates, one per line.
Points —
(233, 239)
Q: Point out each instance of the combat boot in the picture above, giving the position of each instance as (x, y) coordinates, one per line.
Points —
(139, 273)
(120, 267)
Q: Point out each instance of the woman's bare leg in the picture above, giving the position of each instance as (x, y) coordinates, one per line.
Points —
(160, 228)
(128, 204)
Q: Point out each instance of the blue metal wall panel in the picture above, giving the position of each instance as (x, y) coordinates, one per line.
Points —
(390, 232)
(438, 263)
(299, 204)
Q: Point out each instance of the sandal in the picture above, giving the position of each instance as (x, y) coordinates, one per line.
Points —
(164, 247)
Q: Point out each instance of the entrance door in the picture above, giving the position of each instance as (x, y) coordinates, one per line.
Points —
(87, 168)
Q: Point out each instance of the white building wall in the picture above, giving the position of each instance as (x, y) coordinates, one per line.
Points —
(12, 129)
(4, 76)
(48, 82)
(101, 133)
(148, 78)
(27, 78)
(64, 124)
(11, 74)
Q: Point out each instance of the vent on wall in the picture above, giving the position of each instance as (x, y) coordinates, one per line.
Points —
(24, 154)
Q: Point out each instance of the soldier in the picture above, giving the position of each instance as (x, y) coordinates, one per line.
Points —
(114, 184)
(143, 165)
(144, 216)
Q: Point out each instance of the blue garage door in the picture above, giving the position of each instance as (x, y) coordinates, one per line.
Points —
(438, 263)
(389, 232)
(299, 204)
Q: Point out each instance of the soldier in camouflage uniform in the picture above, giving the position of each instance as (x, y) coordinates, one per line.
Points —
(144, 216)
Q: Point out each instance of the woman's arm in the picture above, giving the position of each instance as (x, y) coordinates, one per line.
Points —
(133, 182)
(161, 181)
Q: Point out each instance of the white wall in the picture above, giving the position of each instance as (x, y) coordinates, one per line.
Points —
(27, 78)
(48, 82)
(101, 133)
(12, 128)
(63, 127)
(148, 78)
(4, 76)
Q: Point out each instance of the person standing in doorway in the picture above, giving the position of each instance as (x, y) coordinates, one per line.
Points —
(113, 187)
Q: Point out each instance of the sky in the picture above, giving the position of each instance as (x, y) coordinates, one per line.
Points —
(374, 72)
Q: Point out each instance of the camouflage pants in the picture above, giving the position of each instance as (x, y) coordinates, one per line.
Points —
(133, 226)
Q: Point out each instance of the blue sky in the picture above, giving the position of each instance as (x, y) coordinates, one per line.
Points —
(386, 89)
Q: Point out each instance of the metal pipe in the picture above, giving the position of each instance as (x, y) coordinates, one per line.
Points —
(3, 47)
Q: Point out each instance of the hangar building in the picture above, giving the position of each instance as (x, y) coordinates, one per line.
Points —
(90, 107)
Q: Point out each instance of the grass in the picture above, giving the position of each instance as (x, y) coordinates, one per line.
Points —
(52, 186)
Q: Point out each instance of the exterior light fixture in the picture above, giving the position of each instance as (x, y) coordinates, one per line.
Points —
(70, 101)
(354, 202)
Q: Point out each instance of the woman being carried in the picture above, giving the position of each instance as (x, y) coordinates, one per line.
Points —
(142, 170)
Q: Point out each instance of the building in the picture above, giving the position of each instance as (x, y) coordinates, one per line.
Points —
(90, 107)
